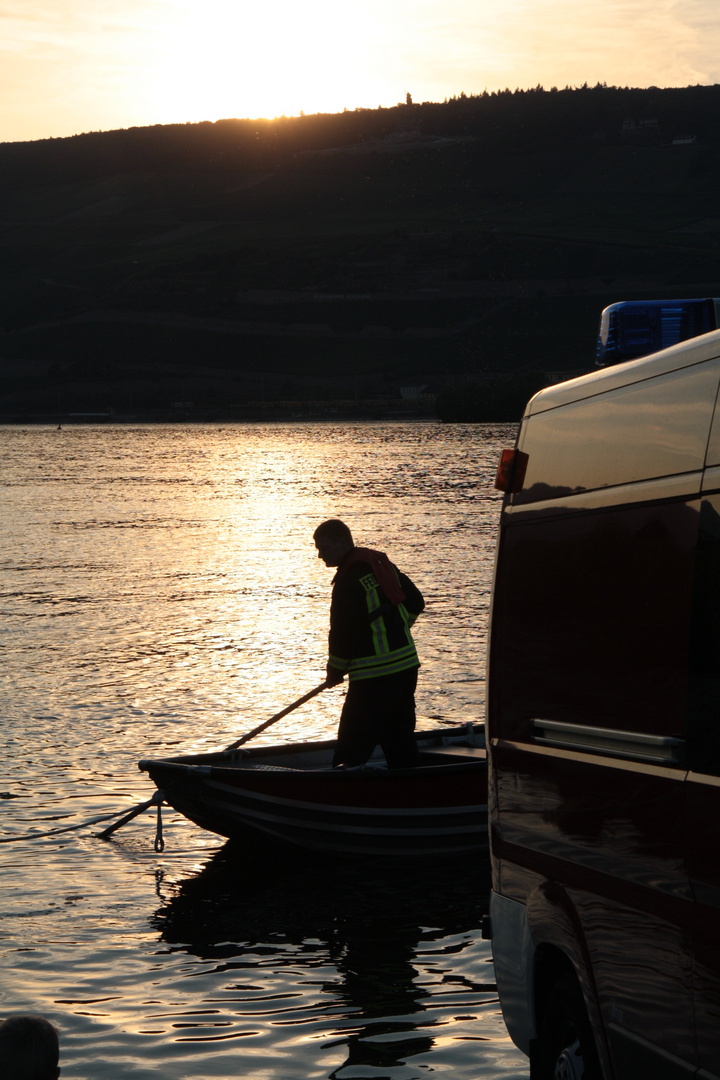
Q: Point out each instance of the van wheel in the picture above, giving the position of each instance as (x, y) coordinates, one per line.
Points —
(566, 1047)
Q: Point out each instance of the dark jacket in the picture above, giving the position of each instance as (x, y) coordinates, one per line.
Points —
(369, 635)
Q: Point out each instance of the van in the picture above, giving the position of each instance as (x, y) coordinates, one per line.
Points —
(603, 723)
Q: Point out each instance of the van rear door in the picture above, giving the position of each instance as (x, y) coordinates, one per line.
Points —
(703, 785)
(588, 692)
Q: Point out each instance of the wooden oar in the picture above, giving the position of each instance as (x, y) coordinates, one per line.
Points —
(276, 717)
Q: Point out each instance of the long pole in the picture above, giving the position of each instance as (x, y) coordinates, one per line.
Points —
(278, 716)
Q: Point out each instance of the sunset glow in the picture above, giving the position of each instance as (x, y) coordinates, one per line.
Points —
(68, 66)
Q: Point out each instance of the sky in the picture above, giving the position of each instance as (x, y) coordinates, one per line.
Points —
(71, 66)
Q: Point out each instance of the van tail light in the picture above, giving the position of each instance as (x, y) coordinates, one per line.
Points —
(511, 471)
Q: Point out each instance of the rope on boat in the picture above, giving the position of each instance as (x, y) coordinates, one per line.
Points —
(159, 842)
(156, 800)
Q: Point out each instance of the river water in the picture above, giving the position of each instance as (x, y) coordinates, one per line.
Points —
(160, 593)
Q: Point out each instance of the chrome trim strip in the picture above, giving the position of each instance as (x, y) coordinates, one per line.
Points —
(629, 745)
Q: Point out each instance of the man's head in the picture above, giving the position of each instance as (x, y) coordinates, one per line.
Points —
(29, 1049)
(333, 541)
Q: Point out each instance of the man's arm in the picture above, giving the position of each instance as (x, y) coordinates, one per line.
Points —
(414, 600)
(333, 675)
(347, 617)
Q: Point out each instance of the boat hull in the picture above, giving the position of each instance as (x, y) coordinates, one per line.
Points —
(291, 795)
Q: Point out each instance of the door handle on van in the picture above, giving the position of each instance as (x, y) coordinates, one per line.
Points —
(631, 745)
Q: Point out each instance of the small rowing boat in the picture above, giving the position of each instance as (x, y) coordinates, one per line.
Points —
(291, 794)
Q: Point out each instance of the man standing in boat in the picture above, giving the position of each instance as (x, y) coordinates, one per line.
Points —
(372, 609)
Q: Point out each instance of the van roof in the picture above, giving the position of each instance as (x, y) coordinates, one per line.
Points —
(687, 353)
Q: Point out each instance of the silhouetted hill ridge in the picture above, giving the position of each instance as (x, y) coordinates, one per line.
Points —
(347, 255)
(517, 121)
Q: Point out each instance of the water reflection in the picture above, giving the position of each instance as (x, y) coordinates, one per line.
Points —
(370, 949)
(161, 594)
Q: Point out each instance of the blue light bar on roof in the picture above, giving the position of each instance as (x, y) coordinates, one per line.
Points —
(633, 328)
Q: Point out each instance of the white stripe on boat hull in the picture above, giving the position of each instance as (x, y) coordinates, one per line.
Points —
(370, 830)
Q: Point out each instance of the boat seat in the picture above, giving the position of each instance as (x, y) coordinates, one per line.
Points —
(269, 768)
(441, 754)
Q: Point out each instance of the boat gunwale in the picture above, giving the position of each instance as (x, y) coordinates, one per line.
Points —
(329, 775)
(245, 760)
(200, 767)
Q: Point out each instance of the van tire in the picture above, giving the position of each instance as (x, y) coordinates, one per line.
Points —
(565, 1049)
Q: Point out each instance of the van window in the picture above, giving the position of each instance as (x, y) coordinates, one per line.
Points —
(654, 428)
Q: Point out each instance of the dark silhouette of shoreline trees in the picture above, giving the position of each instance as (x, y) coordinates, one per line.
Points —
(512, 120)
(461, 248)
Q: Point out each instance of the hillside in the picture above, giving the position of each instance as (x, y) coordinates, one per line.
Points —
(215, 270)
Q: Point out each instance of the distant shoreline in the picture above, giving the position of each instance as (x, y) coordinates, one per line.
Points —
(269, 415)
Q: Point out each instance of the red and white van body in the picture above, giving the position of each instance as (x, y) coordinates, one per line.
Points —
(603, 716)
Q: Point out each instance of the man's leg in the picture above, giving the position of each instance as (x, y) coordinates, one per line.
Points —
(356, 737)
(396, 717)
